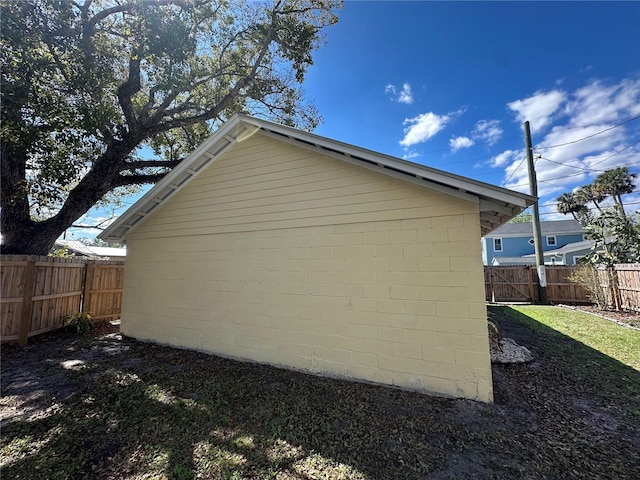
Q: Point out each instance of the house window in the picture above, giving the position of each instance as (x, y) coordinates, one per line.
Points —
(497, 244)
(577, 260)
(551, 240)
(531, 241)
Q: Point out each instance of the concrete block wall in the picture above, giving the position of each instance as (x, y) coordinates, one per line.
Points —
(394, 302)
(281, 255)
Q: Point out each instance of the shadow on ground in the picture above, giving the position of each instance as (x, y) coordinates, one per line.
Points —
(104, 407)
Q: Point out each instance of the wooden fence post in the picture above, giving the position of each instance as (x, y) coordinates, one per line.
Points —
(88, 286)
(615, 291)
(493, 293)
(27, 302)
(532, 292)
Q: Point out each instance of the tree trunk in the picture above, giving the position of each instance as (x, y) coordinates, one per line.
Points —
(20, 233)
(36, 238)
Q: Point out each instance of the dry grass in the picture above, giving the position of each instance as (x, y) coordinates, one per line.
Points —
(104, 407)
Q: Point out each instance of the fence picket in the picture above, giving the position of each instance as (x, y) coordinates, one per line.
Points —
(621, 285)
(37, 293)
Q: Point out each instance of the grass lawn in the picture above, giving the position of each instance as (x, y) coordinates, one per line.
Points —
(602, 335)
(109, 408)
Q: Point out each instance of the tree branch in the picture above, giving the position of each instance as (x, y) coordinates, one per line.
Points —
(127, 90)
(98, 226)
(169, 98)
(127, 7)
(124, 180)
(140, 164)
(227, 99)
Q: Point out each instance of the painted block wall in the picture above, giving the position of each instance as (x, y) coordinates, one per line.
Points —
(383, 281)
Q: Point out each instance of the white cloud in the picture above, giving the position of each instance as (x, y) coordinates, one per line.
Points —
(504, 157)
(423, 127)
(570, 144)
(600, 103)
(488, 131)
(457, 143)
(571, 141)
(539, 108)
(411, 154)
(405, 95)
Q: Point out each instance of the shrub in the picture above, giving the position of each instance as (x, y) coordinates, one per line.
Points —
(495, 337)
(79, 321)
(587, 276)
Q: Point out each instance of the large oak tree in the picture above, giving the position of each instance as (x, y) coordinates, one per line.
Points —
(87, 84)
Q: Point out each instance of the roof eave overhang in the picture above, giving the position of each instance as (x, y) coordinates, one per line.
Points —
(233, 131)
(496, 205)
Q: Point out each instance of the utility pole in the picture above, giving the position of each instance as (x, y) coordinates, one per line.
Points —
(535, 218)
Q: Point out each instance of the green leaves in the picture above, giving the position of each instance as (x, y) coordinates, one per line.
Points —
(617, 238)
(87, 84)
(616, 235)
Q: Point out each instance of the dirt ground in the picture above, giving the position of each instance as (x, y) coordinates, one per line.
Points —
(545, 422)
(630, 319)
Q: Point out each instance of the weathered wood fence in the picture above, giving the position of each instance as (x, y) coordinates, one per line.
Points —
(620, 285)
(37, 293)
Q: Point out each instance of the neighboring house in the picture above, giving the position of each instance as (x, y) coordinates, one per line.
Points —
(79, 249)
(516, 239)
(570, 254)
(279, 246)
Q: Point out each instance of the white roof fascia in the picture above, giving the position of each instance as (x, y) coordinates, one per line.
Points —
(377, 167)
(241, 126)
(190, 167)
(450, 180)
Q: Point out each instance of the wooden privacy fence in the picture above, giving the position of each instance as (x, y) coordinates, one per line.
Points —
(620, 285)
(39, 292)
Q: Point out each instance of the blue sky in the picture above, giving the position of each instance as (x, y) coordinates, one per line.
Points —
(449, 84)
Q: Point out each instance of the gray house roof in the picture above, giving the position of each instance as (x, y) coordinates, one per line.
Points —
(569, 248)
(93, 251)
(497, 261)
(497, 205)
(557, 227)
(573, 247)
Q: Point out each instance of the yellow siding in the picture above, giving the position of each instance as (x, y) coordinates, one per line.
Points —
(263, 184)
(279, 255)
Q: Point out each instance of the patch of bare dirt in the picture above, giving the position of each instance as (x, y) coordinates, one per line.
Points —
(92, 393)
(627, 318)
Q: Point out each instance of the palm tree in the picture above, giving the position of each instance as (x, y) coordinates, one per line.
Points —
(587, 193)
(615, 183)
(570, 203)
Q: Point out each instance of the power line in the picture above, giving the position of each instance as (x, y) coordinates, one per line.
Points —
(474, 160)
(629, 132)
(514, 171)
(592, 135)
(594, 208)
(616, 153)
(597, 163)
(565, 164)
(555, 202)
(572, 174)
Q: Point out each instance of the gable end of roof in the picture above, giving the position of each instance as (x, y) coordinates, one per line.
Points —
(496, 204)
